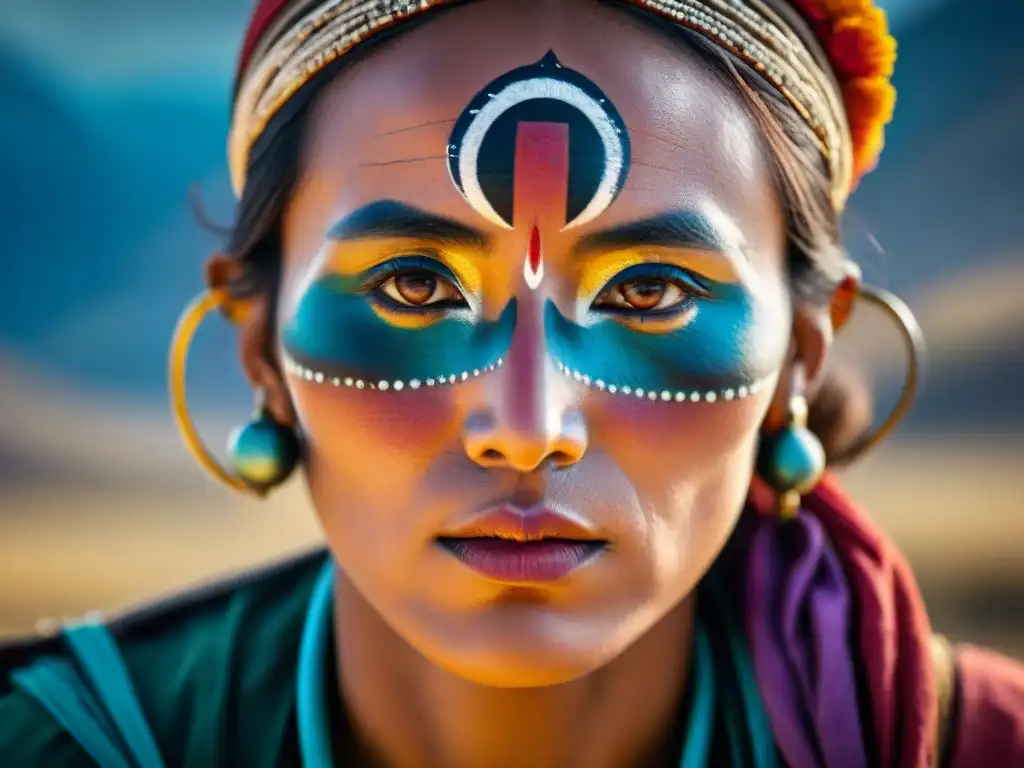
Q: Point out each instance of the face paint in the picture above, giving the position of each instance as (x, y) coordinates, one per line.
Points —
(341, 335)
(716, 344)
(541, 186)
(533, 266)
(541, 136)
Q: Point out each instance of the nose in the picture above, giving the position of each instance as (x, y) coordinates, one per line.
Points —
(529, 419)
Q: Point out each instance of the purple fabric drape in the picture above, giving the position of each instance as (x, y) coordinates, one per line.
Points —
(798, 611)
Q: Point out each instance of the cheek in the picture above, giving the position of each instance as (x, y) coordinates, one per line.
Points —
(690, 465)
(664, 445)
(369, 450)
(371, 461)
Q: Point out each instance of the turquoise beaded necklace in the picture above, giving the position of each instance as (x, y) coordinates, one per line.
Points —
(312, 692)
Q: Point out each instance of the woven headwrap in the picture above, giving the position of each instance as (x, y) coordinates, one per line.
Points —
(830, 59)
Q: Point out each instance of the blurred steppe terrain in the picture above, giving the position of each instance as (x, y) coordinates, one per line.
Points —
(100, 506)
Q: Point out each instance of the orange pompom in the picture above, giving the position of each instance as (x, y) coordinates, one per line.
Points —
(870, 102)
(871, 98)
(855, 36)
(869, 150)
(860, 46)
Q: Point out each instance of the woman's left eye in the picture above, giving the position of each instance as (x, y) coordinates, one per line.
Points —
(644, 293)
(421, 288)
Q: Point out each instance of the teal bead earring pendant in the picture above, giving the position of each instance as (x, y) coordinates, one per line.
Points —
(791, 460)
(263, 453)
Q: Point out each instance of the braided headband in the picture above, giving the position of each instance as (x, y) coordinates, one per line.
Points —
(830, 59)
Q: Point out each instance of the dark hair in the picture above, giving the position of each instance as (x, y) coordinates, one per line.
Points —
(841, 409)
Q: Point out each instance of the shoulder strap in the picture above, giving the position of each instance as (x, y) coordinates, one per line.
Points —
(92, 697)
(944, 671)
(56, 686)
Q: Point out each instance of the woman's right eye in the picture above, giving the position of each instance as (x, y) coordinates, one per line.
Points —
(415, 288)
(650, 289)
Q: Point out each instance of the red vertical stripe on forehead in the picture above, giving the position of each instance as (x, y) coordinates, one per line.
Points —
(541, 176)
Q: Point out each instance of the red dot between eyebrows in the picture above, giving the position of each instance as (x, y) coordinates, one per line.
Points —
(535, 250)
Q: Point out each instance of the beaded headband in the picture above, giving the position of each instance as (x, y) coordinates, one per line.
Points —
(830, 59)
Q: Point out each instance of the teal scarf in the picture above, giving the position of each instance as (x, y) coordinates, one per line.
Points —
(92, 697)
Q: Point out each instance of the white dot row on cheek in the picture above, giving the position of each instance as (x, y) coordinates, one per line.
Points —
(385, 385)
(665, 395)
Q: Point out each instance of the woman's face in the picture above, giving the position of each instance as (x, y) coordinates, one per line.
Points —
(534, 288)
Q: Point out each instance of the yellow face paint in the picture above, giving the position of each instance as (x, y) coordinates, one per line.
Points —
(356, 258)
(666, 324)
(598, 270)
(410, 321)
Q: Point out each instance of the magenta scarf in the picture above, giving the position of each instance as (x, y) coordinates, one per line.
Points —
(838, 635)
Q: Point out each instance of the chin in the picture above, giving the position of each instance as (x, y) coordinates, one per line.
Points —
(532, 665)
(526, 646)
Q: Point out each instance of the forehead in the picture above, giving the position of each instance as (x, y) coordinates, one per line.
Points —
(381, 128)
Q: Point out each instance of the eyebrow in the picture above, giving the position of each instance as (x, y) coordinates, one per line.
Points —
(674, 229)
(392, 219)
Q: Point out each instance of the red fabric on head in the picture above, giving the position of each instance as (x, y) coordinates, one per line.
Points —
(264, 14)
(893, 634)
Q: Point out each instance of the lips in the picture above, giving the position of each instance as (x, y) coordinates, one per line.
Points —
(523, 546)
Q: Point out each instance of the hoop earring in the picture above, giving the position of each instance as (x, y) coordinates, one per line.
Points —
(263, 452)
(791, 460)
(914, 349)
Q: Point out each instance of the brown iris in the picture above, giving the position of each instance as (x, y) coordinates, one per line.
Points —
(416, 287)
(643, 293)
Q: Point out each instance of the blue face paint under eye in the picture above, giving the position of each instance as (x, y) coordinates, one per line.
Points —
(336, 336)
(726, 349)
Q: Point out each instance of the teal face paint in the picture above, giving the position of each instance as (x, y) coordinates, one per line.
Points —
(725, 351)
(336, 337)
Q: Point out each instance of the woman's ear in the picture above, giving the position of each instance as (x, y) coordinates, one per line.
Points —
(839, 395)
(253, 318)
(815, 326)
(845, 296)
(810, 342)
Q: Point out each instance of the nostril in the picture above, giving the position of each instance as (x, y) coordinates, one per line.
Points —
(492, 455)
(560, 459)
